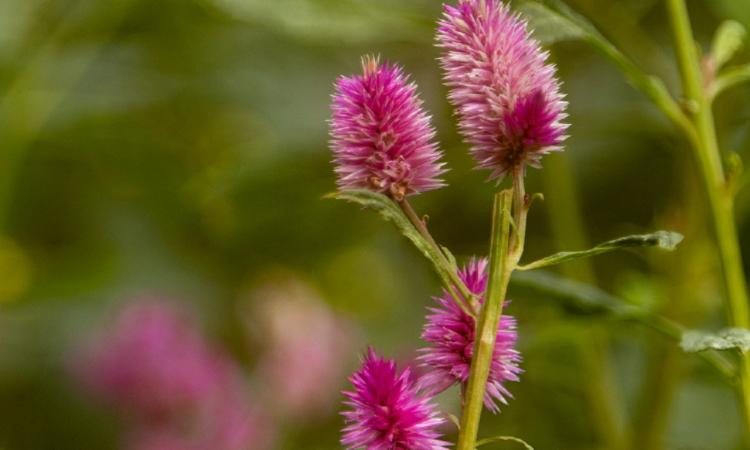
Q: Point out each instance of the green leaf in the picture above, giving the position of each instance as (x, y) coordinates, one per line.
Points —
(450, 257)
(444, 264)
(665, 240)
(549, 27)
(729, 79)
(389, 210)
(584, 299)
(575, 297)
(728, 40)
(504, 438)
(728, 339)
(455, 421)
(554, 20)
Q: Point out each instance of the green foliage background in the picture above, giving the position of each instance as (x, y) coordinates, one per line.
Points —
(180, 147)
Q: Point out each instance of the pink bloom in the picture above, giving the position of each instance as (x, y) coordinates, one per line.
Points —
(385, 411)
(451, 335)
(151, 363)
(505, 93)
(305, 338)
(381, 137)
(180, 393)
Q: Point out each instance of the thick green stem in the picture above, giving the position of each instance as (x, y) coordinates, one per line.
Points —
(501, 266)
(720, 198)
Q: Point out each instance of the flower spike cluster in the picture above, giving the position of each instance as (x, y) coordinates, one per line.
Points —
(382, 139)
(386, 411)
(505, 92)
(451, 334)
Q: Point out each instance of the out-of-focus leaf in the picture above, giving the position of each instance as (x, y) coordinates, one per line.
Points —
(548, 17)
(727, 41)
(665, 240)
(584, 299)
(345, 21)
(504, 438)
(728, 339)
(730, 78)
(548, 27)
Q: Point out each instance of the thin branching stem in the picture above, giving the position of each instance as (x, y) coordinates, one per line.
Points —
(721, 201)
(466, 300)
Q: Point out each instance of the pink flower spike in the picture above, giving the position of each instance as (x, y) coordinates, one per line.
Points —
(386, 413)
(450, 334)
(381, 136)
(505, 92)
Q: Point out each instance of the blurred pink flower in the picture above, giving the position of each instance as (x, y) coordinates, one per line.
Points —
(451, 334)
(381, 136)
(179, 393)
(505, 92)
(307, 348)
(152, 363)
(386, 413)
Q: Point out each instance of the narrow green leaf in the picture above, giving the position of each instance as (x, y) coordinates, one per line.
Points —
(665, 240)
(728, 339)
(450, 257)
(444, 265)
(548, 26)
(728, 40)
(389, 210)
(504, 438)
(730, 78)
(455, 421)
(584, 299)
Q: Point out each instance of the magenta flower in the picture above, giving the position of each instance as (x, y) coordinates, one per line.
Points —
(386, 411)
(179, 392)
(451, 334)
(381, 137)
(506, 95)
(151, 364)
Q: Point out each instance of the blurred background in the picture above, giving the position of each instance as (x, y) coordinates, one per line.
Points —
(161, 172)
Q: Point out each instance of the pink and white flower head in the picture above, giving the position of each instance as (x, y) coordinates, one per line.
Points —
(382, 139)
(450, 334)
(505, 92)
(386, 413)
(301, 336)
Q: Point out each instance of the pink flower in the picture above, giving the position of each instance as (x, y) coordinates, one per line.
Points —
(381, 137)
(151, 363)
(451, 335)
(179, 392)
(386, 413)
(304, 337)
(506, 95)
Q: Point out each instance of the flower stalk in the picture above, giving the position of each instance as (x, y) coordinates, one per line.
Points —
(466, 300)
(720, 197)
(501, 267)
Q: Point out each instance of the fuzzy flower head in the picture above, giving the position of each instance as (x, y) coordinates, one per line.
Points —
(382, 139)
(505, 92)
(386, 413)
(450, 334)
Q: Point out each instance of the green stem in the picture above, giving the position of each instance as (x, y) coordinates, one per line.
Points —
(500, 268)
(720, 198)
(466, 301)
